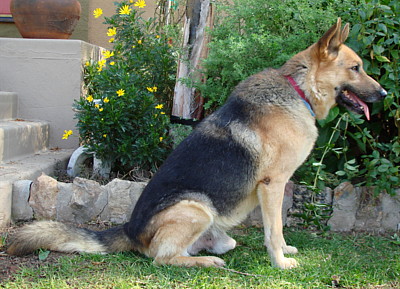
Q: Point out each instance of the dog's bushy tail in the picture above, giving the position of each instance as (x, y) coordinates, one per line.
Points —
(56, 236)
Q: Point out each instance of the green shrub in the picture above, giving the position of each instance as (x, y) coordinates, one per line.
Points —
(123, 118)
(252, 35)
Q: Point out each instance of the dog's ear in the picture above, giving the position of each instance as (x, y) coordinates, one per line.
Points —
(345, 32)
(328, 45)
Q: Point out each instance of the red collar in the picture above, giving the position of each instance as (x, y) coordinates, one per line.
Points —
(301, 93)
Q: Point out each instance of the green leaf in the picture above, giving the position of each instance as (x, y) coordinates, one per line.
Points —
(43, 254)
(381, 58)
(340, 173)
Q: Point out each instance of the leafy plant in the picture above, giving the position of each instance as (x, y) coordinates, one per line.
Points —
(123, 117)
(315, 215)
(395, 239)
(252, 35)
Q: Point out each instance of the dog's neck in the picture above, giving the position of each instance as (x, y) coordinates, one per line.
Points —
(301, 93)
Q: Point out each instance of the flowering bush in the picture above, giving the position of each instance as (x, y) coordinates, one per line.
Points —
(123, 117)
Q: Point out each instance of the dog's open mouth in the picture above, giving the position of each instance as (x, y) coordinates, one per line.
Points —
(352, 102)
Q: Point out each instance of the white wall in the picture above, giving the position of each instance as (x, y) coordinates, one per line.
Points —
(47, 76)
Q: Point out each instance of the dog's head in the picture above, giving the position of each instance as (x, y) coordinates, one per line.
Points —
(335, 74)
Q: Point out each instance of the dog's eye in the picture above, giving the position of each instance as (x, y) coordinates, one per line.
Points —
(356, 68)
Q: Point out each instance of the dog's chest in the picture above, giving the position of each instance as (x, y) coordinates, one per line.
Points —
(286, 141)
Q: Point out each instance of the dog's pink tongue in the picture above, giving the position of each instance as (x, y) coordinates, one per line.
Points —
(366, 109)
(362, 103)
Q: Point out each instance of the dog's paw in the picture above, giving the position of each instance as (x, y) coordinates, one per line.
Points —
(289, 250)
(287, 263)
(190, 261)
(211, 261)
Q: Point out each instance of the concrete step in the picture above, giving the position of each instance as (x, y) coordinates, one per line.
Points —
(8, 105)
(19, 138)
(51, 162)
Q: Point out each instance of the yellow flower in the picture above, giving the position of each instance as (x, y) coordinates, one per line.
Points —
(100, 65)
(133, 46)
(140, 4)
(112, 62)
(107, 54)
(111, 40)
(67, 133)
(97, 12)
(104, 135)
(125, 10)
(87, 63)
(161, 138)
(160, 106)
(152, 89)
(101, 109)
(120, 92)
(89, 98)
(106, 100)
(112, 31)
(139, 41)
(162, 112)
(157, 36)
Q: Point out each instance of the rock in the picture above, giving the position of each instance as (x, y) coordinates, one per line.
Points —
(391, 211)
(64, 211)
(20, 210)
(43, 197)
(122, 198)
(88, 200)
(345, 206)
(5, 203)
(369, 212)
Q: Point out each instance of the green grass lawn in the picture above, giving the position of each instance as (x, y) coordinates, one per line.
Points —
(331, 261)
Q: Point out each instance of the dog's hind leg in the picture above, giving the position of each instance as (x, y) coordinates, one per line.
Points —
(215, 241)
(176, 229)
(271, 198)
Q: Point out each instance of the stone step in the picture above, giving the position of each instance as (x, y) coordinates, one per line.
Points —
(50, 162)
(19, 138)
(8, 105)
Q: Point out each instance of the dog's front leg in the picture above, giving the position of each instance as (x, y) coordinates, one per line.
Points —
(271, 197)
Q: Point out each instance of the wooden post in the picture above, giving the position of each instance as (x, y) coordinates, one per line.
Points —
(199, 16)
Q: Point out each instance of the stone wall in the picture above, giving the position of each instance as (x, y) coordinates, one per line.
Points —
(86, 200)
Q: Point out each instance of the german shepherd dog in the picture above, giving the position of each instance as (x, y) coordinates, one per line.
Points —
(239, 157)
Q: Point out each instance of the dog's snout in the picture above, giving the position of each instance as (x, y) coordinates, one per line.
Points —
(383, 93)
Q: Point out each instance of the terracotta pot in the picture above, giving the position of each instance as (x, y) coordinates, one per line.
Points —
(45, 18)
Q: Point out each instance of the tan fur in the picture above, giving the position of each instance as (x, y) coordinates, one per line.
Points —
(41, 235)
(188, 220)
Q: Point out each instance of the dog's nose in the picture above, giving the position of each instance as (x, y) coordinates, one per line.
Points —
(383, 93)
